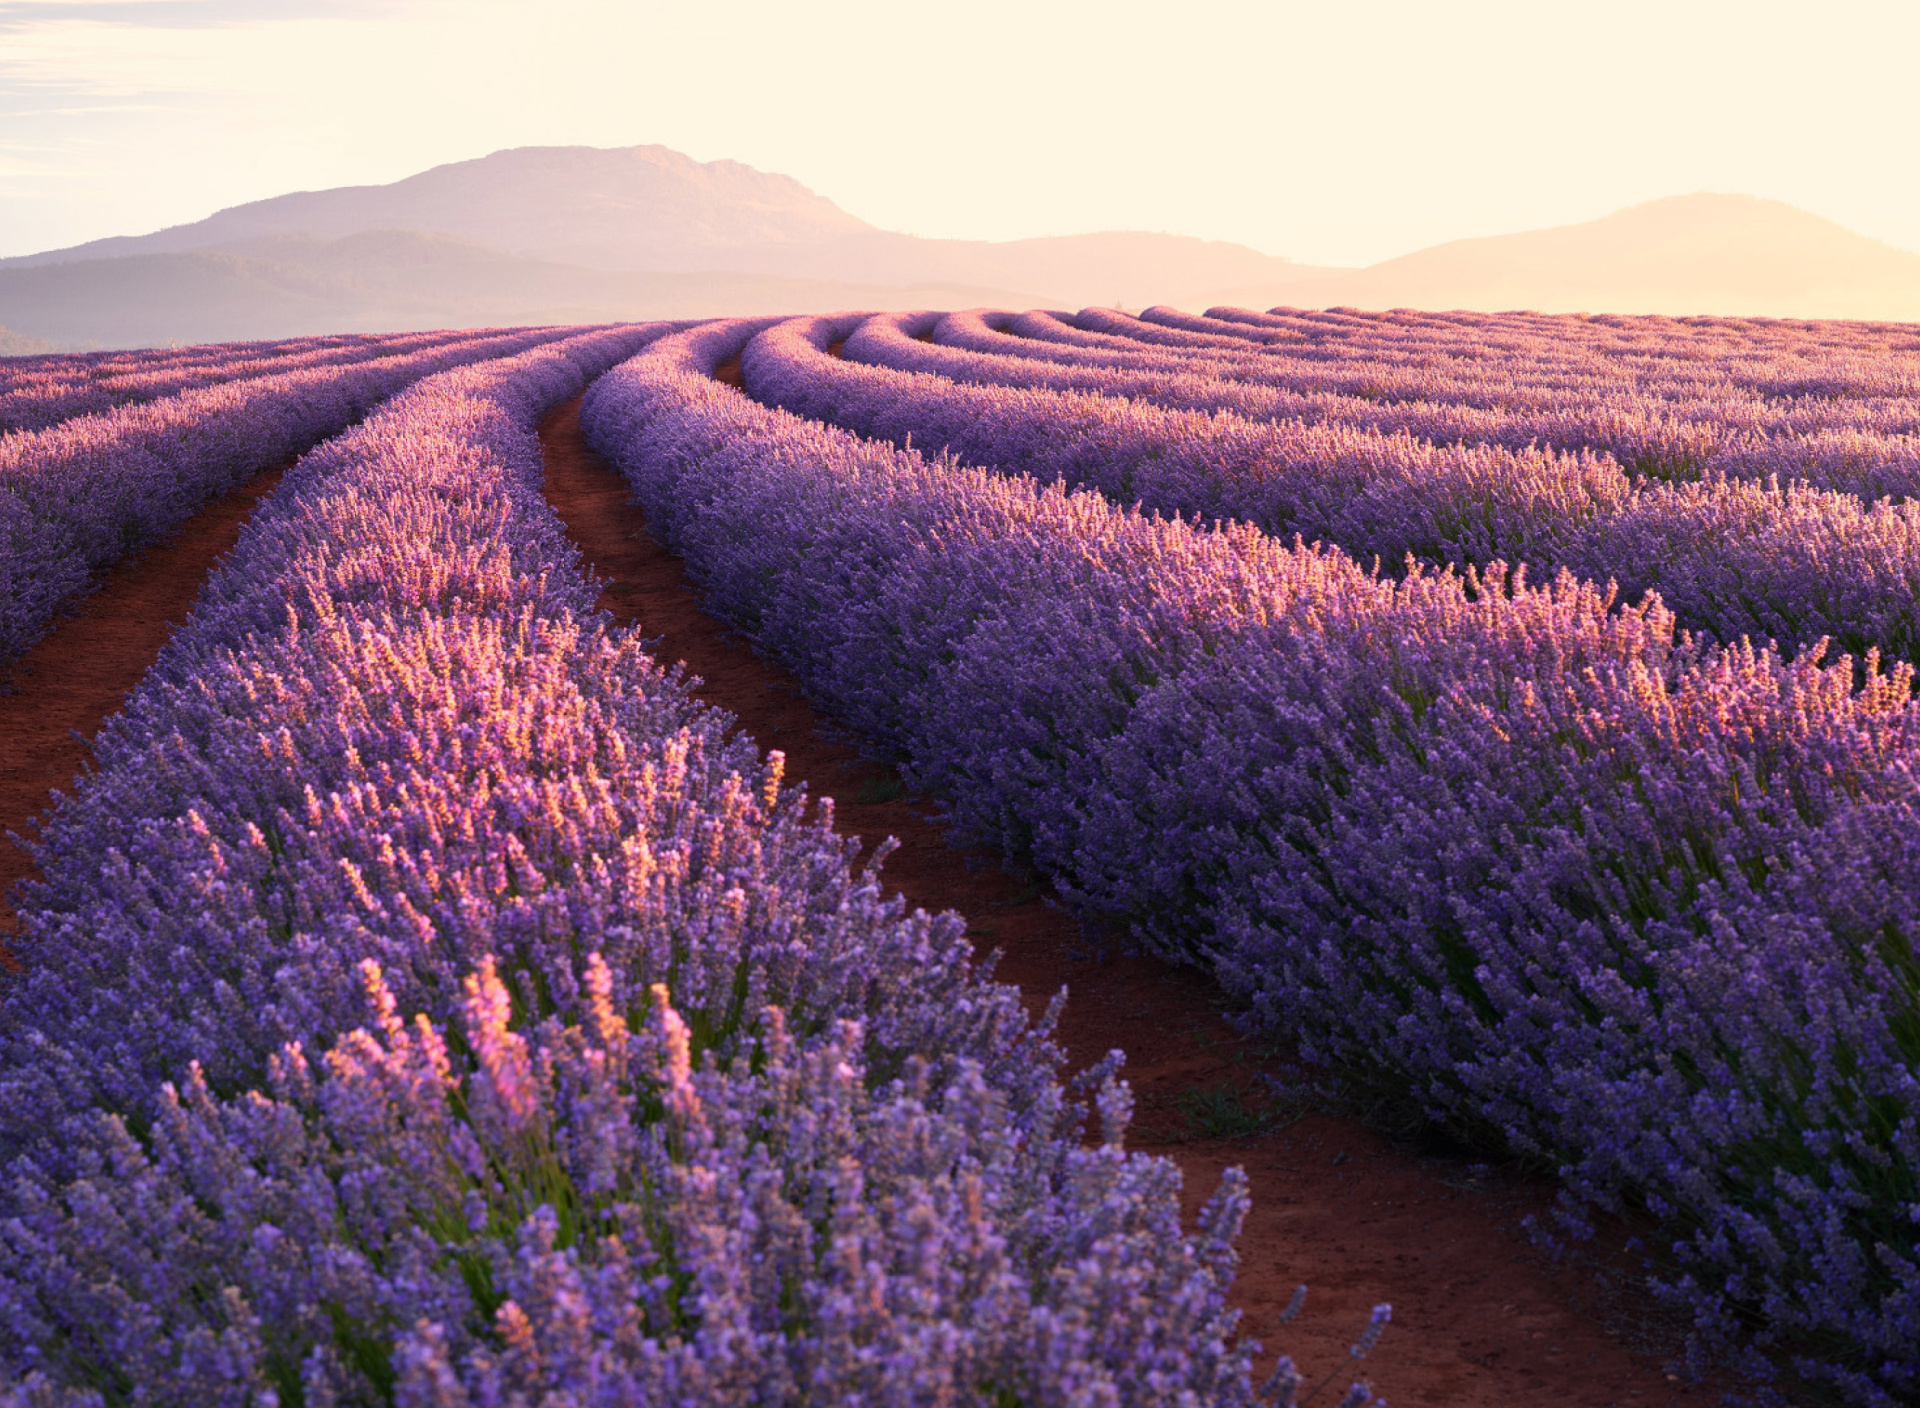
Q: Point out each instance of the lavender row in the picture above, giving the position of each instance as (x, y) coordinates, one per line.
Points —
(1780, 358)
(76, 498)
(1741, 558)
(1670, 356)
(1484, 365)
(1509, 381)
(1515, 375)
(690, 1112)
(1794, 392)
(1865, 449)
(35, 403)
(1488, 385)
(18, 371)
(1700, 410)
(1789, 422)
(24, 379)
(1796, 566)
(1574, 884)
(970, 347)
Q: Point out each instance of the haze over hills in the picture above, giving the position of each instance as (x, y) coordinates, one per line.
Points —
(543, 234)
(12, 344)
(384, 280)
(1724, 254)
(566, 234)
(644, 209)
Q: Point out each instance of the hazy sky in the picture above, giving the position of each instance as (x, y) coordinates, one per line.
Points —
(1328, 132)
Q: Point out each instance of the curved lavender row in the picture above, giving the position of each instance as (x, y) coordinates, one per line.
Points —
(1854, 358)
(1805, 381)
(1652, 425)
(1735, 560)
(1051, 337)
(395, 761)
(1818, 435)
(25, 379)
(279, 608)
(52, 400)
(1550, 348)
(1710, 387)
(1635, 434)
(1645, 419)
(1638, 907)
(1393, 372)
(1372, 494)
(1741, 559)
(1492, 385)
(1678, 356)
(15, 371)
(77, 497)
(1340, 376)
(1500, 384)
(1773, 358)
(1492, 346)
(922, 342)
(1113, 323)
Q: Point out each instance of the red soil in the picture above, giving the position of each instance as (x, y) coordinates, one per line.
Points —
(64, 687)
(1479, 1318)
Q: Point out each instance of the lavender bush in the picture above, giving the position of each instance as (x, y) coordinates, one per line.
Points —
(48, 394)
(80, 495)
(616, 1215)
(1732, 558)
(688, 1112)
(1581, 886)
(1649, 425)
(1674, 404)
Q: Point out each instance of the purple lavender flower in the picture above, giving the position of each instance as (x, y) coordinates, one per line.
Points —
(515, 1032)
(1582, 886)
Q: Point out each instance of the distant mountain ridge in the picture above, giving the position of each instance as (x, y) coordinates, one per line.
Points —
(552, 234)
(537, 234)
(640, 209)
(1714, 254)
(395, 279)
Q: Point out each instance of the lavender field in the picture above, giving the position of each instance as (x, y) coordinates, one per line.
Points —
(427, 1000)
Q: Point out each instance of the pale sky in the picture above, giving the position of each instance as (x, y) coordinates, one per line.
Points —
(1328, 132)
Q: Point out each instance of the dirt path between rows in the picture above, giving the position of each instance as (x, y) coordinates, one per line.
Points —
(1479, 1318)
(64, 688)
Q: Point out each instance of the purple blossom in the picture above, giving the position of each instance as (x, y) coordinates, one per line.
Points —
(514, 1032)
(79, 495)
(1577, 884)
(1730, 557)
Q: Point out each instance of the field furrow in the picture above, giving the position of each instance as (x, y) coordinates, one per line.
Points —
(1524, 862)
(73, 679)
(1479, 1315)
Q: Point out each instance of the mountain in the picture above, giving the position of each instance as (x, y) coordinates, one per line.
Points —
(1716, 254)
(578, 234)
(394, 280)
(542, 233)
(632, 208)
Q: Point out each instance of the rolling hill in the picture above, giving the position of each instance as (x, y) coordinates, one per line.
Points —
(539, 234)
(644, 209)
(392, 280)
(568, 234)
(1721, 254)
